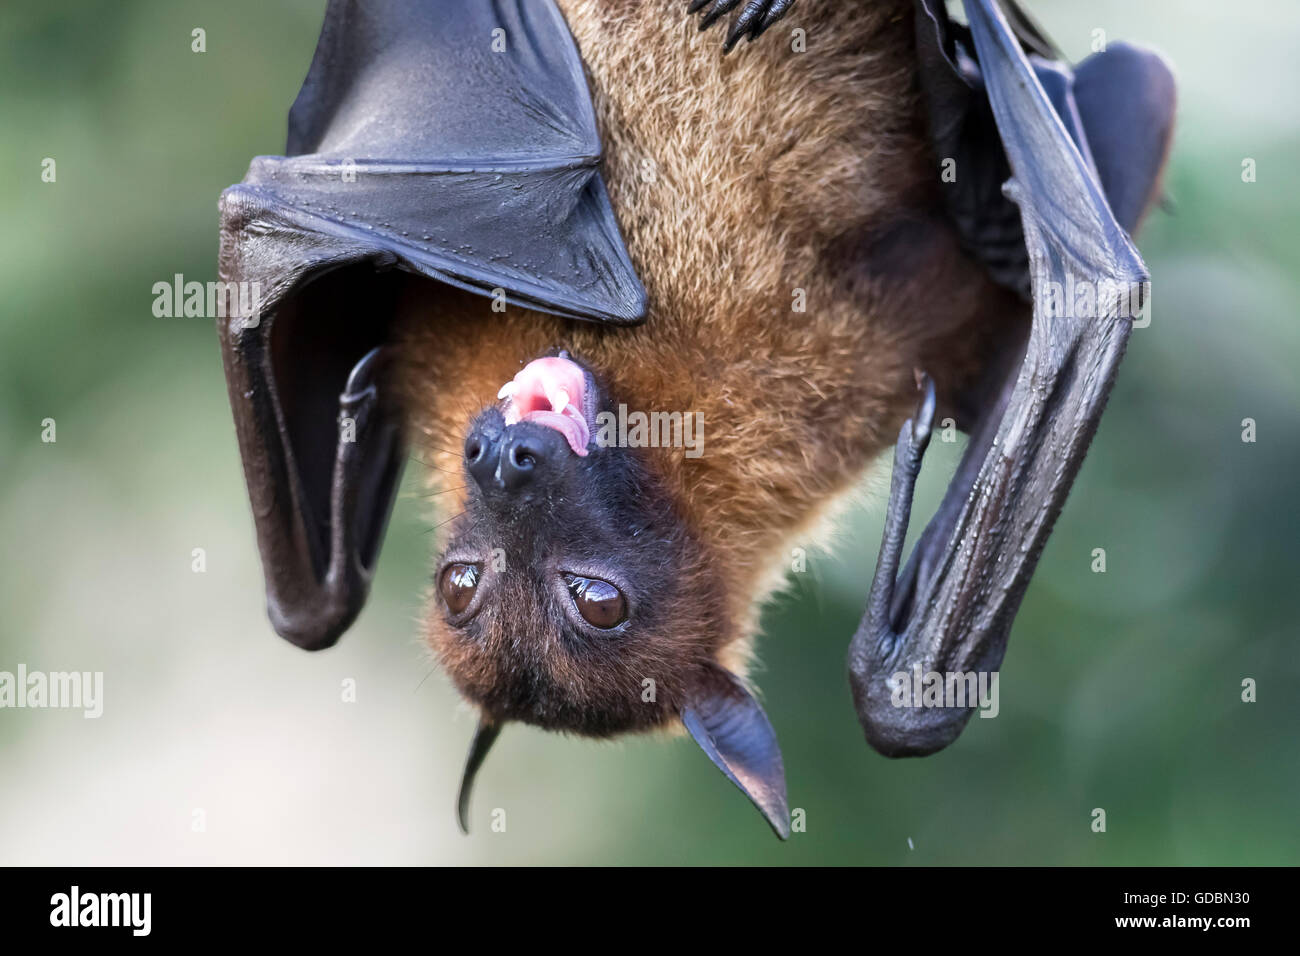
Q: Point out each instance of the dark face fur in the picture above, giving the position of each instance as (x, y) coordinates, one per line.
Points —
(570, 595)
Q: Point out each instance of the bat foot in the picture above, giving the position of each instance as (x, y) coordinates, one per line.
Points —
(753, 20)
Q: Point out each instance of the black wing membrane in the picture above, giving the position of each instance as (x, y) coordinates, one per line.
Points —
(451, 139)
(951, 609)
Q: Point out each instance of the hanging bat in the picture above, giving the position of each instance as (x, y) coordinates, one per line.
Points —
(501, 231)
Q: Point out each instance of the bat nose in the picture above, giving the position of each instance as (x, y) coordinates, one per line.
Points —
(513, 459)
(521, 457)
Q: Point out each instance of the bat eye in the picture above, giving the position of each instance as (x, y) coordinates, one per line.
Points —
(457, 586)
(599, 602)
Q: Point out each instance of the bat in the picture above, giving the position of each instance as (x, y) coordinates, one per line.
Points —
(509, 235)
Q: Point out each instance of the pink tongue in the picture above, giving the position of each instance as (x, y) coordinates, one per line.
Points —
(543, 383)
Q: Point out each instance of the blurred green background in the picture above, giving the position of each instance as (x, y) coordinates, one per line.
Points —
(1120, 690)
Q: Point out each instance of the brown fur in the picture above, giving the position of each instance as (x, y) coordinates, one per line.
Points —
(736, 181)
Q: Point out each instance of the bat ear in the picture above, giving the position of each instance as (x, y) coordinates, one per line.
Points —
(484, 737)
(1126, 96)
(732, 729)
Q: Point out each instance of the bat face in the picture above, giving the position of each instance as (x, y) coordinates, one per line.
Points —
(570, 594)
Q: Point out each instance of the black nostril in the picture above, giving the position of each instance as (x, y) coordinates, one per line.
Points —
(520, 457)
(479, 459)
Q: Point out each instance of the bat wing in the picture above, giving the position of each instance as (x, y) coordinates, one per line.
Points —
(952, 608)
(452, 139)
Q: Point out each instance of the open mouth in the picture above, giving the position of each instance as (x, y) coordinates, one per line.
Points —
(555, 392)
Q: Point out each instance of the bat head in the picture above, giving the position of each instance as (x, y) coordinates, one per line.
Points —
(572, 596)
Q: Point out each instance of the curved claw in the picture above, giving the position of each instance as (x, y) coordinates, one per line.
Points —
(752, 21)
(923, 420)
(719, 9)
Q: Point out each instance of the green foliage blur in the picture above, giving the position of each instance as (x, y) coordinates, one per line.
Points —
(220, 743)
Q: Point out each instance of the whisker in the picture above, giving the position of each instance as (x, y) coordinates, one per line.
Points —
(423, 679)
(455, 452)
(432, 467)
(444, 491)
(448, 521)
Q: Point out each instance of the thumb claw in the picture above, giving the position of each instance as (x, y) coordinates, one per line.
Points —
(923, 418)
